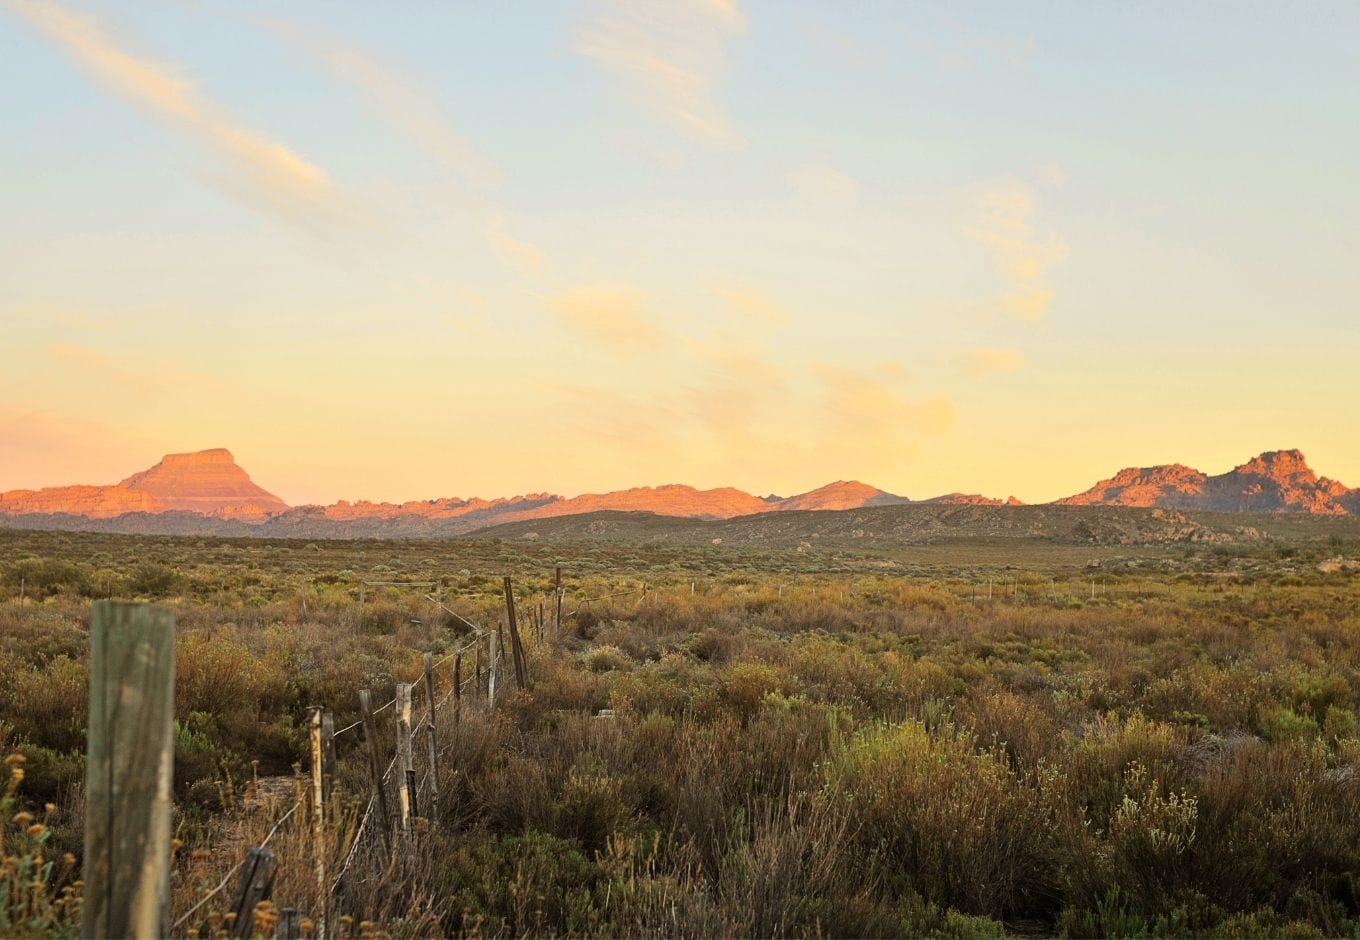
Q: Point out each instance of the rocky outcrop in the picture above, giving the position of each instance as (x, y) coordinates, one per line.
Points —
(1142, 487)
(92, 502)
(972, 499)
(1276, 481)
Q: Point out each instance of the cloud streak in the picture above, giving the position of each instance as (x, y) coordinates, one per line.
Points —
(395, 100)
(264, 173)
(670, 55)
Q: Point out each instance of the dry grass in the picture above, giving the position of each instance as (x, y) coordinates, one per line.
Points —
(813, 746)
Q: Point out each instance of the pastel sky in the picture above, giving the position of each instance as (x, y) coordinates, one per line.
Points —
(398, 251)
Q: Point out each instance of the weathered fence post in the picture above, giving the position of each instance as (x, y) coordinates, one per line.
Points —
(404, 767)
(457, 688)
(290, 924)
(516, 647)
(327, 754)
(491, 670)
(128, 771)
(557, 590)
(375, 766)
(254, 886)
(318, 794)
(431, 739)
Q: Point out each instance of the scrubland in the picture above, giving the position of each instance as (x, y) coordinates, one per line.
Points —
(969, 740)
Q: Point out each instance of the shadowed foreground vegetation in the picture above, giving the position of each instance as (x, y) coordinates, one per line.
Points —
(809, 744)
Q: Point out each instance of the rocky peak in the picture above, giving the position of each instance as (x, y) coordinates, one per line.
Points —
(1282, 466)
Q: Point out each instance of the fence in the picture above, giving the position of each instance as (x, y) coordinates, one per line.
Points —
(130, 768)
(130, 754)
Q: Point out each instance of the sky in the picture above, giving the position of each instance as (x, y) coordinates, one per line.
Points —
(476, 249)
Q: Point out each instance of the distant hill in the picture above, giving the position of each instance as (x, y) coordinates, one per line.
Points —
(1276, 481)
(207, 493)
(882, 527)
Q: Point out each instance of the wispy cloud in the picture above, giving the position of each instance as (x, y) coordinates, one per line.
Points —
(395, 99)
(670, 54)
(609, 313)
(412, 110)
(264, 173)
(990, 360)
(754, 303)
(1023, 255)
(818, 182)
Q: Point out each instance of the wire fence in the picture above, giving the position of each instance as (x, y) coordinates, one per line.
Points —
(366, 851)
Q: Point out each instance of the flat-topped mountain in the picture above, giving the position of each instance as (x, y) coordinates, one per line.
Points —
(207, 492)
(207, 483)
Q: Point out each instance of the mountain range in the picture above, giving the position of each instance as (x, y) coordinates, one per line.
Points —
(208, 493)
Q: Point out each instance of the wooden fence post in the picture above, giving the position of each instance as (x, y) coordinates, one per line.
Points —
(375, 766)
(318, 794)
(431, 740)
(428, 673)
(254, 886)
(491, 670)
(327, 754)
(457, 688)
(290, 924)
(557, 590)
(128, 771)
(404, 768)
(516, 647)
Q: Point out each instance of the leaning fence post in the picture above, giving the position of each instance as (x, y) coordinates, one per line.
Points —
(516, 647)
(128, 770)
(318, 754)
(254, 886)
(431, 741)
(404, 767)
(375, 766)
